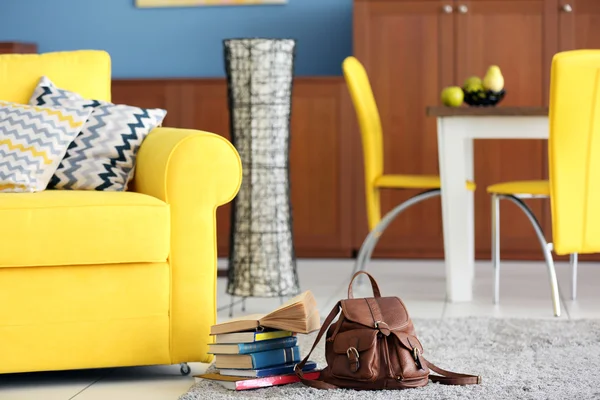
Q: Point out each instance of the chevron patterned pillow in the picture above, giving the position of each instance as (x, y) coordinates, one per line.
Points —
(103, 156)
(33, 141)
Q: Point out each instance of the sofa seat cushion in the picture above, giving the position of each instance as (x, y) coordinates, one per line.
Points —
(67, 227)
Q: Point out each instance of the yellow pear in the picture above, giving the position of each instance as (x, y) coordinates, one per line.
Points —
(493, 79)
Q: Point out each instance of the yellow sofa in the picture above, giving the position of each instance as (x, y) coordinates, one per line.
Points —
(103, 279)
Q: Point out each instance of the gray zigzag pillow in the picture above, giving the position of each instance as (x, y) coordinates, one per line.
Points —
(103, 155)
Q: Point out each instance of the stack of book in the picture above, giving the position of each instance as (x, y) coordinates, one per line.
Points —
(261, 350)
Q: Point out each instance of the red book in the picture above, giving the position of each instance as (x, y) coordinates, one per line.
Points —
(239, 383)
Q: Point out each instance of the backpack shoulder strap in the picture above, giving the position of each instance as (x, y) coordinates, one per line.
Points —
(298, 367)
(451, 378)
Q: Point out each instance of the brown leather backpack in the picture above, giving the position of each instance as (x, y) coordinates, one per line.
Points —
(373, 346)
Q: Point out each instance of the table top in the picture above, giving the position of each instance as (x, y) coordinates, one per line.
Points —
(443, 111)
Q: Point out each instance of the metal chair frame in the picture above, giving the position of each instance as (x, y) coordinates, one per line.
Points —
(546, 248)
(368, 245)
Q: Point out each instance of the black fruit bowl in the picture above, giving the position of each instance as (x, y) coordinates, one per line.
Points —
(483, 98)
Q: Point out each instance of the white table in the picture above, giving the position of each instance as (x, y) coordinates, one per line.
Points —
(456, 129)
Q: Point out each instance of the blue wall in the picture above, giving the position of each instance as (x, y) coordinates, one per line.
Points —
(180, 42)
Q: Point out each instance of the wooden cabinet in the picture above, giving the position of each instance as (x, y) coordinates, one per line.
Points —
(412, 49)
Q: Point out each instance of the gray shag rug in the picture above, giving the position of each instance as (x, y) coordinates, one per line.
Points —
(516, 358)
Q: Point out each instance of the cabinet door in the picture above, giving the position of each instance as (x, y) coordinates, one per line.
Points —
(579, 24)
(319, 160)
(519, 37)
(407, 50)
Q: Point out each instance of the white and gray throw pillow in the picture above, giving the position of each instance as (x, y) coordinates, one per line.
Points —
(103, 155)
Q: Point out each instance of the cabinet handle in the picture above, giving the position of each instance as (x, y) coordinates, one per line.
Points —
(463, 9)
(447, 9)
(567, 8)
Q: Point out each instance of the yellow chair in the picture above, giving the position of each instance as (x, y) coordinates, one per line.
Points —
(573, 112)
(93, 279)
(375, 180)
(574, 151)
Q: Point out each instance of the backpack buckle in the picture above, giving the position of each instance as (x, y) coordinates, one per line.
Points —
(382, 327)
(352, 350)
(353, 357)
(416, 353)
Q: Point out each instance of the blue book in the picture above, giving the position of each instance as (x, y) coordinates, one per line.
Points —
(269, 371)
(256, 347)
(259, 360)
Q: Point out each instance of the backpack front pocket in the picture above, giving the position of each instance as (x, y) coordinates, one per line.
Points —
(355, 355)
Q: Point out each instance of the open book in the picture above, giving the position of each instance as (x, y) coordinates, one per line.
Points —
(299, 315)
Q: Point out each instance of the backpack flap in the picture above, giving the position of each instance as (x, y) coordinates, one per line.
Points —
(368, 311)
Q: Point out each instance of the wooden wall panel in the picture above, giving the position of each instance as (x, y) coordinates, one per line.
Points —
(319, 152)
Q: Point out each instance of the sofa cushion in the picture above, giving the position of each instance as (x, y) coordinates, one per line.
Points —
(103, 156)
(57, 227)
(33, 141)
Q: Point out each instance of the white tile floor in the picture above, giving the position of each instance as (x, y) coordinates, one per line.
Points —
(421, 284)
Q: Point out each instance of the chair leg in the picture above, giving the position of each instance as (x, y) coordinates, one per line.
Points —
(496, 246)
(546, 248)
(368, 245)
(573, 262)
(553, 280)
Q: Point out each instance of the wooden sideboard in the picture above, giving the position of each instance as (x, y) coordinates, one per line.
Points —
(17, 47)
(412, 49)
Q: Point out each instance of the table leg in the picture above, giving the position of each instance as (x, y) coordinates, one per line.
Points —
(455, 152)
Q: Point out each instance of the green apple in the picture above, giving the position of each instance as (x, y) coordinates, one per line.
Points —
(472, 81)
(473, 85)
(452, 96)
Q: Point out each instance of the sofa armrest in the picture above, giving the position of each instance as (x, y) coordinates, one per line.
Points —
(194, 172)
(188, 165)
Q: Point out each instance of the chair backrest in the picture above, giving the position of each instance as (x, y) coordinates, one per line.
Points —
(87, 72)
(574, 151)
(371, 133)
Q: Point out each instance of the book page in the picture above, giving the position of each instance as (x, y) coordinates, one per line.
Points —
(299, 314)
(301, 298)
